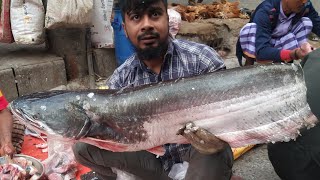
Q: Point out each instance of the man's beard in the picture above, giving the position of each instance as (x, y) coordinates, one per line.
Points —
(150, 53)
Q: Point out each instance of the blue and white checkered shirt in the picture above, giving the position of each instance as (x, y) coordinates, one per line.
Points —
(183, 59)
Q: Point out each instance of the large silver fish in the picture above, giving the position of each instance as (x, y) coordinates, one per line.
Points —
(242, 106)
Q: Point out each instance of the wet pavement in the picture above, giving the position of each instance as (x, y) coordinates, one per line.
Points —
(255, 165)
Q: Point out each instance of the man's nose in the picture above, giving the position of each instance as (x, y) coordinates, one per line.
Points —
(146, 24)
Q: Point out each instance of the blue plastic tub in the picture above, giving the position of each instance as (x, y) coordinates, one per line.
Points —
(123, 47)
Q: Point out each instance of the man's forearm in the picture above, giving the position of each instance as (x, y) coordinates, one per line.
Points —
(5, 126)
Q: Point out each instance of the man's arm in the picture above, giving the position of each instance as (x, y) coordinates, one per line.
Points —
(264, 50)
(6, 121)
(315, 18)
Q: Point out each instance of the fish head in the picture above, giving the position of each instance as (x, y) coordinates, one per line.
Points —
(51, 113)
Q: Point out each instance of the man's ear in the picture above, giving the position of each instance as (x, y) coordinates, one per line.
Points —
(124, 29)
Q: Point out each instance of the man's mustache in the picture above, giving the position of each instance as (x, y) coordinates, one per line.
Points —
(149, 34)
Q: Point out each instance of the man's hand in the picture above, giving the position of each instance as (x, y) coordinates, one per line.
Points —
(7, 149)
(6, 122)
(306, 48)
(202, 140)
(300, 53)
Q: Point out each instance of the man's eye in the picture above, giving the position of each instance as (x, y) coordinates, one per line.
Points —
(155, 14)
(135, 17)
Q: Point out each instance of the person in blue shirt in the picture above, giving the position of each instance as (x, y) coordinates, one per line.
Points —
(158, 57)
(278, 32)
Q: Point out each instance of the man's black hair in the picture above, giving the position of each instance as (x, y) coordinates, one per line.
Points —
(129, 5)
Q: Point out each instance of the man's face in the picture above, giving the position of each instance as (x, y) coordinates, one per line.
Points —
(296, 6)
(147, 28)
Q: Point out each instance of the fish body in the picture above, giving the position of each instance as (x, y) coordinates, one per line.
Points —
(242, 106)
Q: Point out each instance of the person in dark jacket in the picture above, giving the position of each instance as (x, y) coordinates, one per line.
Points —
(278, 31)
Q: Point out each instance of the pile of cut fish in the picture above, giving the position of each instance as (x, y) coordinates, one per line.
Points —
(18, 168)
(61, 166)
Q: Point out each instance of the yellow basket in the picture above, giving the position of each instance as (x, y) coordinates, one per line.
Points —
(237, 152)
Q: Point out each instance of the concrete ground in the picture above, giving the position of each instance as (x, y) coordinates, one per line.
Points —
(255, 165)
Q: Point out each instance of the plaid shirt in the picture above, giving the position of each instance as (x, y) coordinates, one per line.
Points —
(183, 59)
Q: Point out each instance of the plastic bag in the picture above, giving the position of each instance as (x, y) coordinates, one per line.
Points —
(122, 175)
(61, 163)
(5, 26)
(68, 13)
(174, 22)
(179, 171)
(27, 21)
(101, 30)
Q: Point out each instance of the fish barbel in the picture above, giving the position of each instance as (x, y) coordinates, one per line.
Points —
(241, 106)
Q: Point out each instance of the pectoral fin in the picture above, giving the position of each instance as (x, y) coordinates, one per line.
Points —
(159, 150)
(201, 139)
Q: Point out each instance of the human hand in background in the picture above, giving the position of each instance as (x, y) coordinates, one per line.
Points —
(7, 149)
(304, 50)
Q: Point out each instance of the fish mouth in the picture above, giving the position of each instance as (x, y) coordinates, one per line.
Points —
(27, 120)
